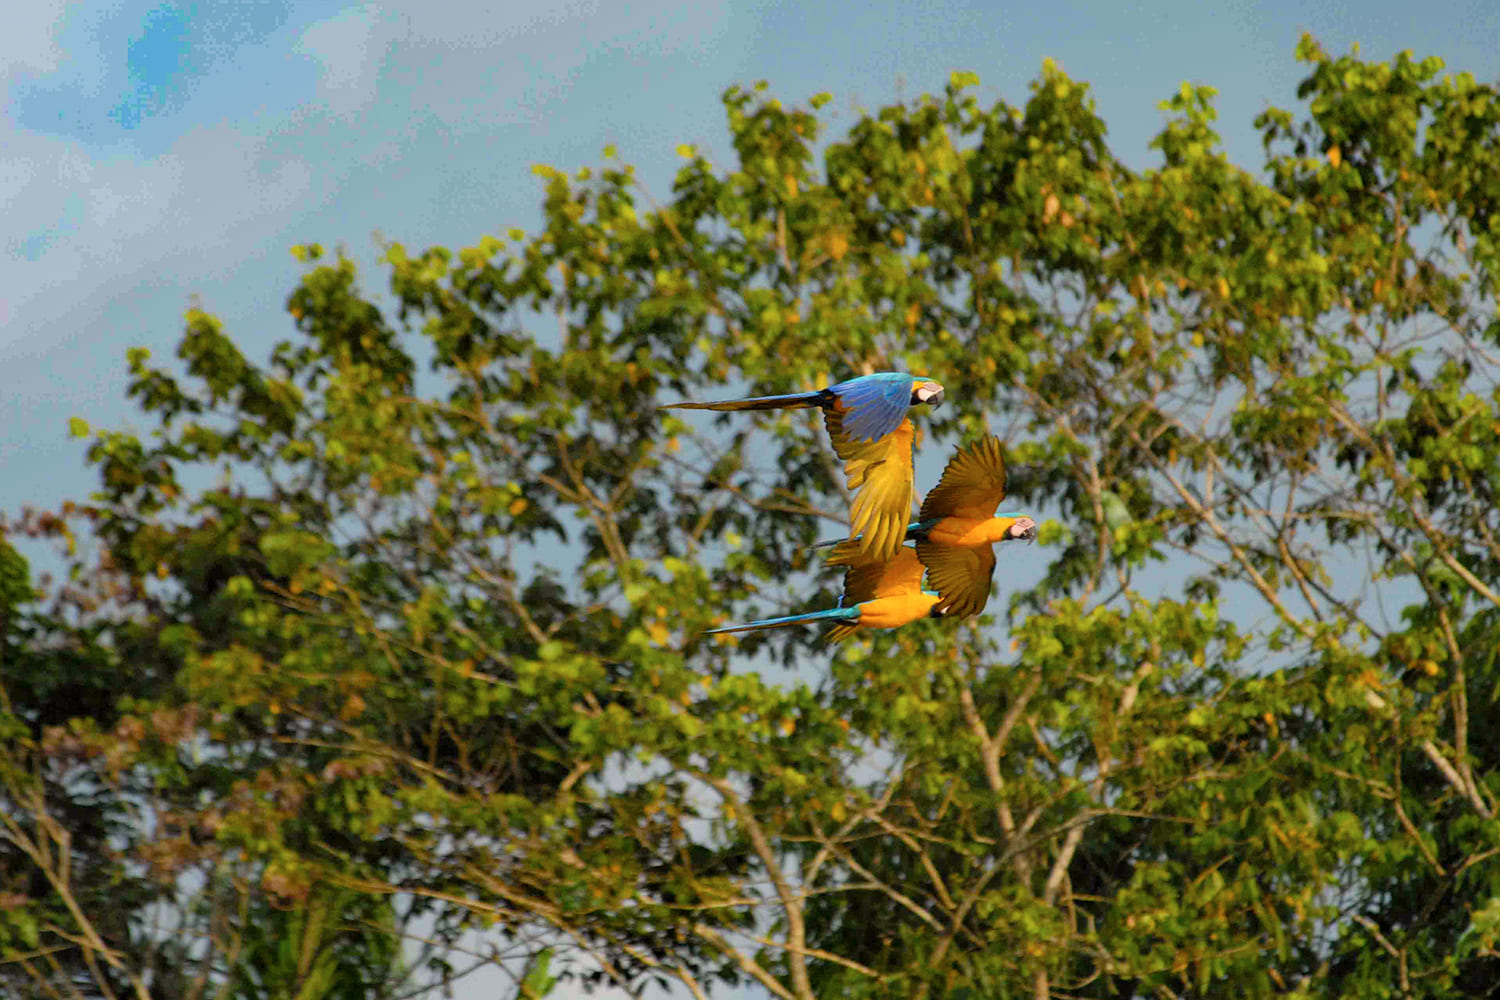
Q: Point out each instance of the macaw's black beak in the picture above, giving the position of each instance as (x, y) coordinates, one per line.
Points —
(1028, 533)
(936, 399)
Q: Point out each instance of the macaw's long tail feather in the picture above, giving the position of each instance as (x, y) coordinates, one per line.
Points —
(831, 615)
(846, 550)
(789, 401)
(841, 632)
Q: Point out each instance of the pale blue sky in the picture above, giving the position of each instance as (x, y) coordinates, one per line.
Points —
(151, 152)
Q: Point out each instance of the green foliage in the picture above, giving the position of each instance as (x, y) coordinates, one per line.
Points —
(428, 658)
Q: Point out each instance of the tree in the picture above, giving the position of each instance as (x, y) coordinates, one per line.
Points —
(430, 654)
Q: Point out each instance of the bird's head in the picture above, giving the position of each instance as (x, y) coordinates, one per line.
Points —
(1020, 526)
(925, 390)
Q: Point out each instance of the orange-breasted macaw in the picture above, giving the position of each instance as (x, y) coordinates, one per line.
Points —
(867, 423)
(958, 526)
(876, 595)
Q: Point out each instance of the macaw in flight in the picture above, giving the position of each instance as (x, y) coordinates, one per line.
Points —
(871, 434)
(957, 528)
(876, 595)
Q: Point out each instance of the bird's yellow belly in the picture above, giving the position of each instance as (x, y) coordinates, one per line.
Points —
(961, 532)
(892, 612)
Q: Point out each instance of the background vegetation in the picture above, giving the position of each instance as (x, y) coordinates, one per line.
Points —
(379, 660)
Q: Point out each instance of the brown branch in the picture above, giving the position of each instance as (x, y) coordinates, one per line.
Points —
(796, 931)
(760, 975)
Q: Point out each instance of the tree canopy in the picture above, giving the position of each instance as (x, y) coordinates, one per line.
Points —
(380, 659)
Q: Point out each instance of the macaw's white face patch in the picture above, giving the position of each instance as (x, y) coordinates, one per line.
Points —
(930, 393)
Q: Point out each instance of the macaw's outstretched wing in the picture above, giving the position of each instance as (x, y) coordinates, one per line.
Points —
(880, 474)
(973, 482)
(870, 580)
(960, 576)
(873, 405)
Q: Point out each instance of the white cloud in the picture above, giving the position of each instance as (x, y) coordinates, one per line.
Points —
(29, 41)
(351, 47)
(419, 121)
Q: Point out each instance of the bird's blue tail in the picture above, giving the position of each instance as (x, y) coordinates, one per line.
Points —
(831, 615)
(788, 401)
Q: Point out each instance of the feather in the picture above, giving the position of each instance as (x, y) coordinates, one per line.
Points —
(846, 551)
(788, 401)
(874, 405)
(832, 614)
(961, 576)
(880, 474)
(871, 580)
(972, 484)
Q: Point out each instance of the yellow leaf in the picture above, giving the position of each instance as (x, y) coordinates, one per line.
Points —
(838, 245)
(898, 237)
(913, 313)
(295, 586)
(791, 318)
(838, 812)
(788, 726)
(791, 186)
(354, 706)
(1335, 157)
(1223, 288)
(518, 506)
(1050, 207)
(658, 633)
(674, 445)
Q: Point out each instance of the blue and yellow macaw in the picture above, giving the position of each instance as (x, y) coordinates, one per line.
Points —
(871, 434)
(876, 595)
(957, 528)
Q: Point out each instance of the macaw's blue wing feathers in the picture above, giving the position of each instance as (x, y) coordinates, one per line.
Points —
(880, 473)
(789, 401)
(873, 405)
(961, 576)
(832, 614)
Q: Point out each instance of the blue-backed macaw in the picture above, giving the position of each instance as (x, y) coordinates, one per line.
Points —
(876, 595)
(957, 527)
(867, 423)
